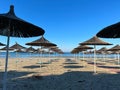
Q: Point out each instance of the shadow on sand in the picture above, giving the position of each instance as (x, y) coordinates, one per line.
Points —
(110, 67)
(15, 74)
(74, 80)
(33, 66)
(71, 66)
(92, 63)
(70, 63)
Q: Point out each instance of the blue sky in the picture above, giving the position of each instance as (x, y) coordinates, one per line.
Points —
(66, 22)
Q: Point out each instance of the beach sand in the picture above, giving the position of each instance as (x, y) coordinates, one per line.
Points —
(60, 74)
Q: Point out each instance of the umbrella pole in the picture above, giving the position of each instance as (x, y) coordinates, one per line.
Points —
(83, 59)
(76, 56)
(94, 59)
(104, 56)
(6, 63)
(118, 59)
(17, 60)
(79, 56)
(49, 57)
(41, 59)
(83, 56)
(0, 61)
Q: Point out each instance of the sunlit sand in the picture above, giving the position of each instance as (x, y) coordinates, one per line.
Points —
(60, 73)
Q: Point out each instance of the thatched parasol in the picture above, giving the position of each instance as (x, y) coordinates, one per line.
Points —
(102, 50)
(95, 41)
(41, 42)
(11, 25)
(17, 46)
(116, 48)
(5, 48)
(112, 31)
(83, 48)
(17, 27)
(1, 44)
(30, 49)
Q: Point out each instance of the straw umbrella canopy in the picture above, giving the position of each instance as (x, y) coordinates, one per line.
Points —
(83, 48)
(17, 27)
(57, 50)
(41, 42)
(5, 48)
(60, 51)
(111, 31)
(50, 48)
(39, 50)
(75, 51)
(11, 25)
(30, 49)
(53, 48)
(17, 46)
(1, 44)
(19, 50)
(102, 50)
(116, 48)
(95, 41)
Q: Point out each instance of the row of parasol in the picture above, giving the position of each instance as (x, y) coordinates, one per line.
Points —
(41, 42)
(81, 48)
(19, 48)
(92, 41)
(102, 51)
(112, 31)
(13, 26)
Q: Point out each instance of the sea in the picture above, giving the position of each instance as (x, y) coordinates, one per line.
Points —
(66, 54)
(27, 54)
